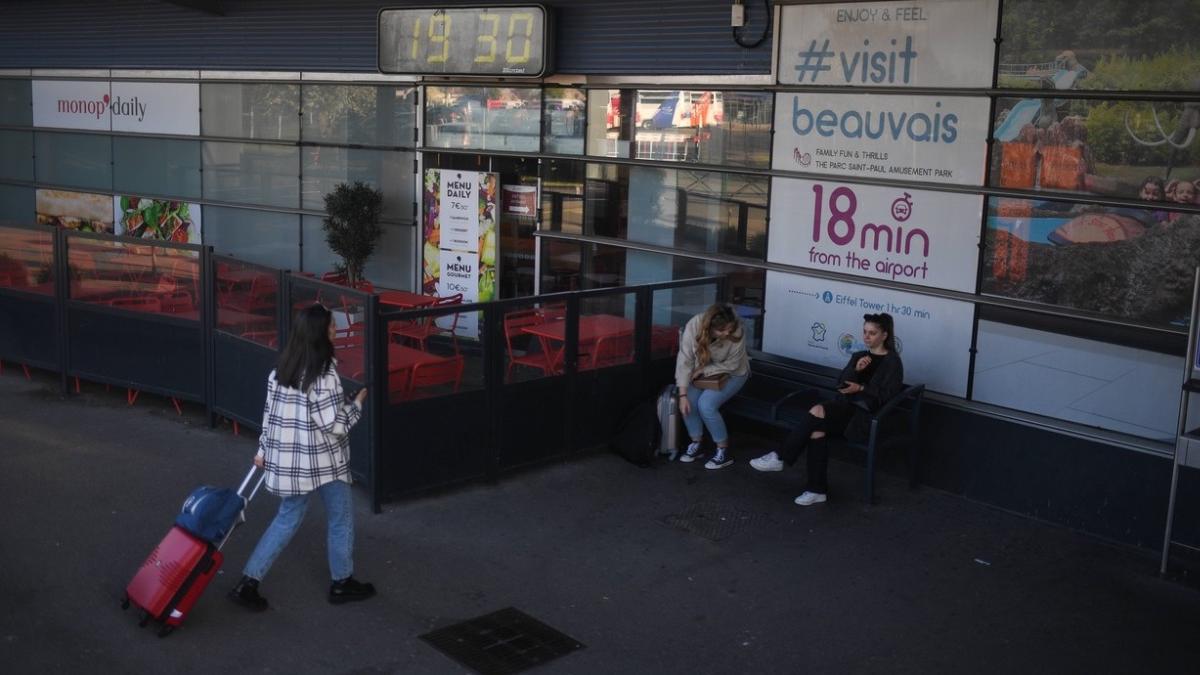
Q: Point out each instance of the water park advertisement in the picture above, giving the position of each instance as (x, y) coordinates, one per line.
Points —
(938, 139)
(1106, 45)
(1130, 264)
(919, 43)
(820, 321)
(1132, 149)
(886, 233)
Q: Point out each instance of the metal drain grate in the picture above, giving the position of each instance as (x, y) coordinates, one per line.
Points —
(713, 521)
(507, 641)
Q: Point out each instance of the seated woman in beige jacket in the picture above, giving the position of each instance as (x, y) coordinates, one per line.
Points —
(713, 346)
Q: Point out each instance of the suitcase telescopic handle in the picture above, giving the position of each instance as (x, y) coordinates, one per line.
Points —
(246, 481)
(241, 489)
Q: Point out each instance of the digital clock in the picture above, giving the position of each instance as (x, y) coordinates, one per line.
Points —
(509, 41)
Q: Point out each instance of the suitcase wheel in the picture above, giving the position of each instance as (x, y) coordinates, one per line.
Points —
(144, 620)
(165, 630)
(125, 602)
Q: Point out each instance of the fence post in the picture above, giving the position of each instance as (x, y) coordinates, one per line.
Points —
(62, 294)
(570, 367)
(493, 386)
(642, 323)
(375, 374)
(208, 323)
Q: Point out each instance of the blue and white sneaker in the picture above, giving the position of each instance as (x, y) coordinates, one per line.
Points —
(719, 460)
(692, 453)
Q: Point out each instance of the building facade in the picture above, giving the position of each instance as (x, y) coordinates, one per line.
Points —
(1016, 182)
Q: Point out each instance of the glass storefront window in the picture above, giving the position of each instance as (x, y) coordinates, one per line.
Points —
(1114, 387)
(15, 103)
(156, 166)
(26, 258)
(16, 155)
(387, 170)
(16, 204)
(79, 160)
(252, 173)
(258, 111)
(702, 211)
(483, 118)
(713, 127)
(562, 196)
(564, 122)
(1130, 264)
(359, 114)
(1129, 149)
(261, 237)
(608, 124)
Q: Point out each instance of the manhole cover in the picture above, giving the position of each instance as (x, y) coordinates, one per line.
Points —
(507, 641)
(713, 521)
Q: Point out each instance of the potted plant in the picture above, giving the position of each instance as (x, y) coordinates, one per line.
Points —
(352, 226)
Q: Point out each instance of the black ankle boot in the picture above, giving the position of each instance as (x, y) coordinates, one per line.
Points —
(246, 595)
(350, 589)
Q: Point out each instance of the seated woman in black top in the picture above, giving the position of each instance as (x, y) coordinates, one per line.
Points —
(869, 380)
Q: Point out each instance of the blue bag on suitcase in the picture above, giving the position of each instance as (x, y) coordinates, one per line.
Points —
(210, 512)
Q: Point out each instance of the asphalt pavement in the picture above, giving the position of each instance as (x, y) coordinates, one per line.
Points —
(672, 569)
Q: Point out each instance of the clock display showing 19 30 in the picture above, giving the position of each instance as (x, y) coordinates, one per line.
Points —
(507, 41)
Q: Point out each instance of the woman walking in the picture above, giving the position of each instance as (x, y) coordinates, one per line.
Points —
(304, 448)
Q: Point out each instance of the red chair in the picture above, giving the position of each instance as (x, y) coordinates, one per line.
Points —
(338, 278)
(269, 338)
(421, 329)
(426, 376)
(514, 325)
(138, 303)
(664, 340)
(609, 350)
(178, 302)
(554, 310)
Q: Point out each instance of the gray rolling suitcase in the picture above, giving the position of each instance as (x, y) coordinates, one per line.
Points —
(669, 421)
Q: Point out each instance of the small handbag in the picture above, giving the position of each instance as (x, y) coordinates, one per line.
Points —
(715, 382)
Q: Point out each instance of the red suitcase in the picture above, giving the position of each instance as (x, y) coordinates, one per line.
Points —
(173, 578)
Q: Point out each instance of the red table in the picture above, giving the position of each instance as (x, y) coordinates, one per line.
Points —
(591, 329)
(406, 299)
(400, 359)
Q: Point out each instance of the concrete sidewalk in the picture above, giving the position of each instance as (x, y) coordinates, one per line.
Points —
(666, 570)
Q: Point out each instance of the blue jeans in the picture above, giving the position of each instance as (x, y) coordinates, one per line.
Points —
(705, 405)
(339, 513)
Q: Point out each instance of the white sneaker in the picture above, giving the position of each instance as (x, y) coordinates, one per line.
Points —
(692, 454)
(810, 498)
(719, 461)
(768, 462)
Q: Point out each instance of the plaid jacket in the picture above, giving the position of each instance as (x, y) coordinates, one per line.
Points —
(304, 441)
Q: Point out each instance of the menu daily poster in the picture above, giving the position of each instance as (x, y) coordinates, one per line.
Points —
(915, 43)
(937, 139)
(821, 321)
(460, 238)
(887, 233)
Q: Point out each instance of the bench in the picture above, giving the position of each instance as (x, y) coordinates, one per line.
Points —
(780, 392)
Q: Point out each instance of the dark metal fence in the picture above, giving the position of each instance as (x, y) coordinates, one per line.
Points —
(457, 391)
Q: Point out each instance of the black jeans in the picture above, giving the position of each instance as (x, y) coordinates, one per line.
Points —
(837, 416)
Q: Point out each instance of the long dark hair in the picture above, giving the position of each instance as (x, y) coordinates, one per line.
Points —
(308, 352)
(885, 323)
